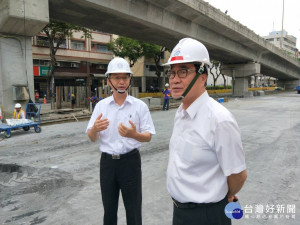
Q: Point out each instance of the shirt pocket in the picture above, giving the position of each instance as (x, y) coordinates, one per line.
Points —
(195, 152)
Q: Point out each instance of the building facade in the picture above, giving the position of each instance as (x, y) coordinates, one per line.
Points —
(80, 61)
(288, 42)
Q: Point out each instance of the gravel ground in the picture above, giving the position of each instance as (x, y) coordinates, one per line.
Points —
(52, 177)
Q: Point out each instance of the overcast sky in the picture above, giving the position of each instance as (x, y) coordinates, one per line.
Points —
(263, 16)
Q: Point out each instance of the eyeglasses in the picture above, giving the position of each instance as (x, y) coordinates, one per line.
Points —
(120, 78)
(181, 73)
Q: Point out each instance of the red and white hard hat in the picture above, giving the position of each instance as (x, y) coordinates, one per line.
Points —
(118, 65)
(189, 50)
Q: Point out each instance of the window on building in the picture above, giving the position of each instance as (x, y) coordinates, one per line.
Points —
(42, 41)
(77, 45)
(41, 62)
(100, 48)
(153, 68)
(62, 45)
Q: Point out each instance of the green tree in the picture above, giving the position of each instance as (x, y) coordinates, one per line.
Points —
(133, 50)
(217, 72)
(57, 32)
(155, 52)
(126, 48)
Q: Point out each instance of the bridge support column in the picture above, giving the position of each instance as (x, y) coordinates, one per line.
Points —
(288, 84)
(240, 74)
(19, 21)
(143, 80)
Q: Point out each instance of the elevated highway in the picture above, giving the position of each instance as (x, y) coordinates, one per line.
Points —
(162, 22)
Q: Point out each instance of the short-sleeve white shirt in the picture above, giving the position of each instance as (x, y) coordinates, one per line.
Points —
(204, 149)
(132, 109)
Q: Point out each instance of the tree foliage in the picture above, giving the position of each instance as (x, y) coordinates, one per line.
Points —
(57, 32)
(126, 48)
(133, 50)
(217, 65)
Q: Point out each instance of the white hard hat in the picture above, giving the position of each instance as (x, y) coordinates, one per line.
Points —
(118, 65)
(189, 50)
(18, 105)
(166, 85)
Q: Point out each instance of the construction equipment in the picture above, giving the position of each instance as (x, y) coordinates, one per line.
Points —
(33, 115)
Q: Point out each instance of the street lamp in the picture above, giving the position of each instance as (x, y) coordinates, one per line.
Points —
(281, 38)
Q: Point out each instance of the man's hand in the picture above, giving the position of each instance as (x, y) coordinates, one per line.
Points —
(129, 132)
(100, 124)
(232, 198)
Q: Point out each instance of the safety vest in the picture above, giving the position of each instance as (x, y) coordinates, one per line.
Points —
(17, 115)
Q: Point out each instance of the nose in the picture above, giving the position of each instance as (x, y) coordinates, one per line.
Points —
(176, 79)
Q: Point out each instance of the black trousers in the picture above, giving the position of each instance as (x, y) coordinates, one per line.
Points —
(206, 214)
(121, 174)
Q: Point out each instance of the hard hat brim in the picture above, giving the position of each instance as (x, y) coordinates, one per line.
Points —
(185, 61)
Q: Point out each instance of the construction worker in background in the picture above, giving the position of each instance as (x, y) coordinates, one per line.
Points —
(167, 95)
(19, 113)
(37, 96)
(1, 116)
(206, 159)
(121, 122)
(73, 100)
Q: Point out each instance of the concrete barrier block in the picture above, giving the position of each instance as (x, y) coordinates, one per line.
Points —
(151, 101)
(146, 100)
(248, 94)
(260, 93)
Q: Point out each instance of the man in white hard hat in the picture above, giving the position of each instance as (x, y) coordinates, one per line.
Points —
(19, 113)
(167, 95)
(206, 159)
(121, 122)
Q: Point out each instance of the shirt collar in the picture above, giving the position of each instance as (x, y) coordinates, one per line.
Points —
(128, 99)
(197, 104)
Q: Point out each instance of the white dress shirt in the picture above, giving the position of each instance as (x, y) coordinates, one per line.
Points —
(205, 148)
(132, 109)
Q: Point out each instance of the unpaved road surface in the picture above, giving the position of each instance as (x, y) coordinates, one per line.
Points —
(53, 177)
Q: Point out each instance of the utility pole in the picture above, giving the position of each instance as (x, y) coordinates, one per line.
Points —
(281, 38)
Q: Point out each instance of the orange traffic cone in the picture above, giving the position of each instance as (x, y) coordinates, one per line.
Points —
(45, 100)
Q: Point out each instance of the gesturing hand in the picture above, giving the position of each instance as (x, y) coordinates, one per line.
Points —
(127, 131)
(100, 124)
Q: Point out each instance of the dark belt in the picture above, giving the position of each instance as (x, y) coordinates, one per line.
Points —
(190, 205)
(120, 156)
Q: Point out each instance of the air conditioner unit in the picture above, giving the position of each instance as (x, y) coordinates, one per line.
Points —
(100, 66)
(74, 65)
(57, 64)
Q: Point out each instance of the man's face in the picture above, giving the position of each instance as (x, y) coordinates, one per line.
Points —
(18, 109)
(179, 84)
(119, 80)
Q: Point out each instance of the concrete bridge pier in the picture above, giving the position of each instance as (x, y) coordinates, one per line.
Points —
(240, 74)
(288, 84)
(19, 21)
